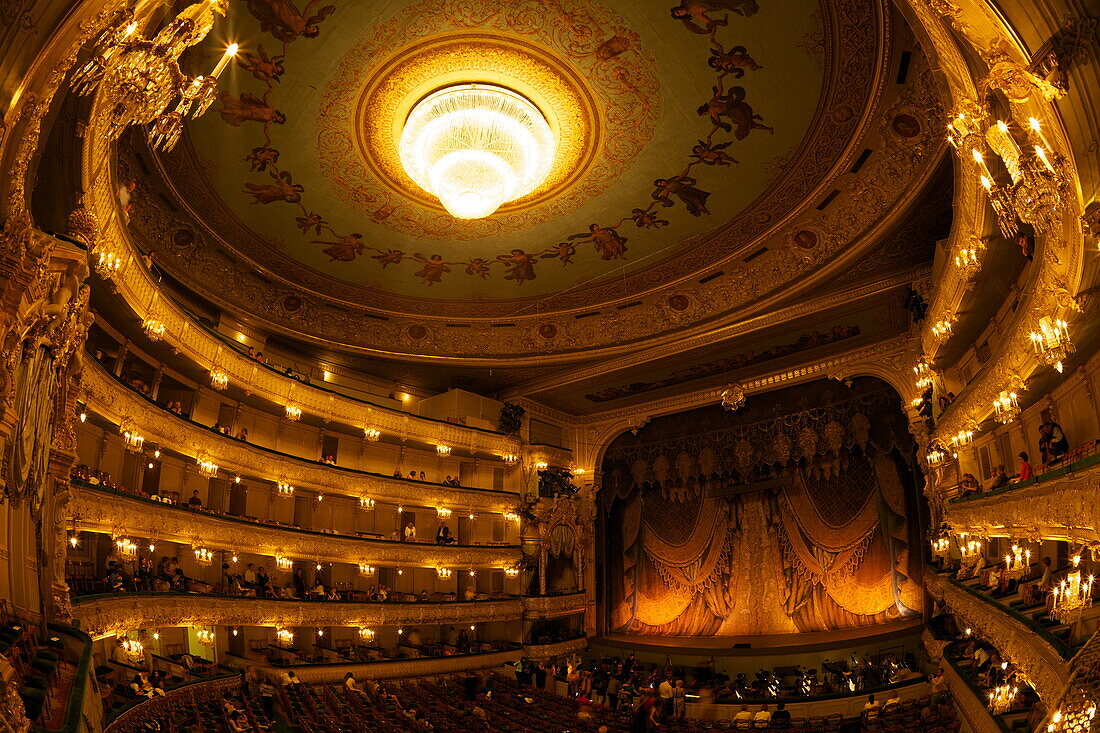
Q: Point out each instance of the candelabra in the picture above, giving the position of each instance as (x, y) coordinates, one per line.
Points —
(366, 635)
(941, 547)
(365, 569)
(284, 637)
(1001, 697)
(140, 78)
(365, 502)
(511, 572)
(443, 450)
(293, 413)
(135, 650)
(443, 573)
(153, 328)
(511, 517)
(133, 440)
(942, 329)
(1017, 562)
(936, 455)
(442, 512)
(733, 397)
(1072, 596)
(218, 379)
(925, 376)
(107, 264)
(1051, 342)
(207, 468)
(205, 637)
(962, 438)
(284, 563)
(204, 557)
(541, 465)
(372, 434)
(510, 459)
(126, 548)
(968, 257)
(284, 490)
(1006, 407)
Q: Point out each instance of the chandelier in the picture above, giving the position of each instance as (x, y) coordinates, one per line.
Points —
(205, 637)
(443, 450)
(284, 637)
(1017, 562)
(510, 459)
(1006, 407)
(372, 434)
(924, 374)
(154, 329)
(511, 517)
(284, 490)
(962, 438)
(366, 635)
(204, 557)
(733, 397)
(511, 572)
(936, 455)
(107, 264)
(968, 258)
(134, 649)
(126, 548)
(365, 569)
(1072, 596)
(442, 512)
(443, 573)
(284, 563)
(133, 440)
(942, 329)
(1051, 342)
(293, 413)
(207, 468)
(365, 502)
(218, 379)
(941, 547)
(140, 78)
(476, 147)
(1001, 697)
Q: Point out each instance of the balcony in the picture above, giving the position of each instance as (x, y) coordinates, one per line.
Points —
(118, 613)
(111, 511)
(553, 606)
(119, 403)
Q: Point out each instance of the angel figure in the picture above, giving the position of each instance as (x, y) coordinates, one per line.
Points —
(389, 257)
(732, 106)
(734, 61)
(518, 265)
(262, 67)
(563, 251)
(344, 249)
(647, 219)
(693, 12)
(312, 220)
(606, 240)
(284, 189)
(261, 157)
(248, 108)
(433, 270)
(683, 188)
(282, 19)
(711, 154)
(479, 267)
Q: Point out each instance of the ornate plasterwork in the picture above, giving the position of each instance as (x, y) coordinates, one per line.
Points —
(970, 706)
(1040, 663)
(403, 669)
(144, 711)
(108, 512)
(1065, 509)
(102, 615)
(116, 402)
(551, 606)
(555, 651)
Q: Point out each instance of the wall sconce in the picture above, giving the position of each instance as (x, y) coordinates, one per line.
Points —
(510, 459)
(443, 450)
(132, 440)
(284, 563)
(443, 573)
(366, 635)
(284, 490)
(154, 329)
(207, 468)
(365, 569)
(293, 413)
(218, 379)
(203, 556)
(372, 434)
(1051, 342)
(442, 512)
(365, 502)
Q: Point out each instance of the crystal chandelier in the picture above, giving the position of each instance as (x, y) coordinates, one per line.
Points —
(365, 502)
(924, 374)
(1001, 697)
(1072, 596)
(218, 379)
(936, 455)
(284, 637)
(366, 635)
(510, 459)
(126, 548)
(372, 434)
(733, 397)
(1017, 562)
(1006, 407)
(968, 258)
(207, 468)
(293, 413)
(365, 569)
(1051, 341)
(942, 329)
(443, 573)
(134, 649)
(140, 78)
(476, 147)
(511, 517)
(284, 490)
(133, 440)
(511, 572)
(204, 556)
(154, 329)
(443, 450)
(442, 512)
(107, 264)
(941, 547)
(205, 637)
(284, 563)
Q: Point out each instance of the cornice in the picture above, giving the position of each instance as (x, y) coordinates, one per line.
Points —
(551, 606)
(103, 510)
(1065, 509)
(1044, 668)
(120, 404)
(118, 614)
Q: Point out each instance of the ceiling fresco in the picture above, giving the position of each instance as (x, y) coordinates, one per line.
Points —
(674, 120)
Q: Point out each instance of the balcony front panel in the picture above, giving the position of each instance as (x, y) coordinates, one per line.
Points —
(551, 606)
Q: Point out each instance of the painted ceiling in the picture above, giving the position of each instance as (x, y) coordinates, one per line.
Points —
(690, 122)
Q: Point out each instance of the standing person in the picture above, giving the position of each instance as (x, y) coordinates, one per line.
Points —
(664, 691)
(679, 701)
(613, 687)
(410, 532)
(540, 676)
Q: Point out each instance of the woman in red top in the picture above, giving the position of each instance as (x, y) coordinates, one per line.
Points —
(1025, 468)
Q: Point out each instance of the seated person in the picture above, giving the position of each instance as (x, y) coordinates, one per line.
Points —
(1000, 478)
(1026, 472)
(195, 502)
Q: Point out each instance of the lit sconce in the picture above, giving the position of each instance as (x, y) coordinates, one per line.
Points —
(320, 497)
(83, 416)
(1017, 562)
(156, 636)
(443, 573)
(74, 540)
(320, 633)
(218, 379)
(511, 572)
(366, 635)
(941, 547)
(284, 490)
(473, 627)
(154, 329)
(285, 637)
(1052, 343)
(442, 512)
(962, 438)
(578, 471)
(205, 637)
(372, 434)
(133, 440)
(400, 571)
(1001, 698)
(203, 556)
(400, 509)
(942, 329)
(152, 547)
(471, 516)
(156, 454)
(293, 413)
(365, 569)
(207, 468)
(511, 517)
(400, 632)
(149, 465)
(235, 632)
(1072, 596)
(472, 573)
(510, 459)
(126, 548)
(968, 257)
(134, 649)
(317, 567)
(234, 559)
(541, 465)
(237, 479)
(365, 502)
(107, 264)
(1006, 407)
(969, 631)
(443, 450)
(284, 563)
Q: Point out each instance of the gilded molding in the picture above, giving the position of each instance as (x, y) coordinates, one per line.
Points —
(108, 512)
(1065, 509)
(970, 706)
(558, 649)
(551, 606)
(405, 668)
(120, 614)
(116, 401)
(1044, 668)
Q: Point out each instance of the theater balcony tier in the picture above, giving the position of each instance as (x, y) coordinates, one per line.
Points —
(124, 406)
(1032, 650)
(113, 512)
(119, 613)
(1061, 507)
(553, 606)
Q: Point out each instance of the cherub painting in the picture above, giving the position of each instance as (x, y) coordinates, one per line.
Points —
(282, 19)
(692, 13)
(248, 108)
(646, 219)
(518, 266)
(711, 153)
(683, 188)
(606, 240)
(734, 61)
(262, 67)
(344, 249)
(433, 270)
(732, 106)
(283, 189)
